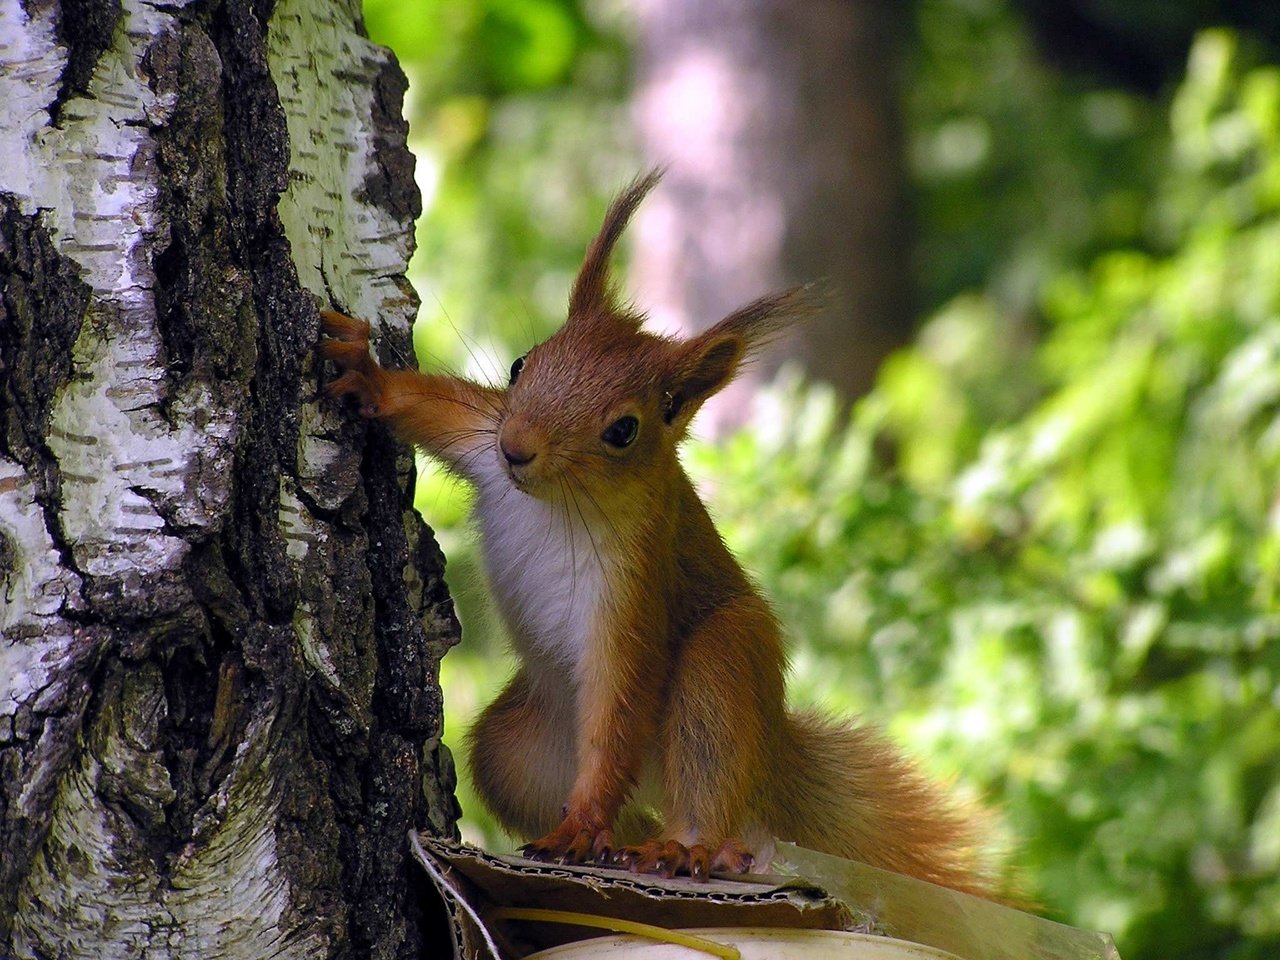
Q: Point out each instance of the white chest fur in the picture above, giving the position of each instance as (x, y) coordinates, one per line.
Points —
(546, 569)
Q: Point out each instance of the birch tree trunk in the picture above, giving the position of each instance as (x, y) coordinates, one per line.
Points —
(220, 621)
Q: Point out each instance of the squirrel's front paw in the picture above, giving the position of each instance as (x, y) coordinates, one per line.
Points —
(574, 841)
(348, 347)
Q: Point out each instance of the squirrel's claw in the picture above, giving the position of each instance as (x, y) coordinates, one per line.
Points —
(533, 851)
(732, 857)
(342, 327)
(665, 858)
(353, 384)
(699, 862)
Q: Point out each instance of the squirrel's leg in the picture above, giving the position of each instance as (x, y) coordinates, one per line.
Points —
(724, 708)
(450, 418)
(522, 759)
(617, 706)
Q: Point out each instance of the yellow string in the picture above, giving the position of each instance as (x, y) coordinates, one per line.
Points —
(620, 926)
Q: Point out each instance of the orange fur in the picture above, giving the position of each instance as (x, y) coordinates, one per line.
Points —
(450, 418)
(649, 659)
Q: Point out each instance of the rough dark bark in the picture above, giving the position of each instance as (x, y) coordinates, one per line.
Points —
(780, 125)
(220, 619)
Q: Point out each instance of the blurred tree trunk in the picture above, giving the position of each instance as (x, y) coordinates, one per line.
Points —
(220, 621)
(780, 123)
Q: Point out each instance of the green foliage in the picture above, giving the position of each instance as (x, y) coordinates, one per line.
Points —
(1074, 602)
(1021, 170)
(1046, 550)
(517, 123)
(482, 47)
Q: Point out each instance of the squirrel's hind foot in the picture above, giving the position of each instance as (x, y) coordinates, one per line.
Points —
(572, 843)
(670, 858)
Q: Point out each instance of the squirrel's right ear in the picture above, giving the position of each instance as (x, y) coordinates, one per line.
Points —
(708, 362)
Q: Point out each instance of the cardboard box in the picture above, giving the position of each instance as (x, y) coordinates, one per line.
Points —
(476, 884)
(823, 893)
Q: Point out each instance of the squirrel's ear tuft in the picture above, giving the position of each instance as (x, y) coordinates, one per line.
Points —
(592, 290)
(709, 361)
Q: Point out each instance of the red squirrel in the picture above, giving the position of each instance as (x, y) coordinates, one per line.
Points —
(651, 669)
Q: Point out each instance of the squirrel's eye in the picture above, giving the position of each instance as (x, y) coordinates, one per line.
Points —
(621, 432)
(516, 366)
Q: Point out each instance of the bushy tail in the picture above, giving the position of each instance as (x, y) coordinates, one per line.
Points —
(848, 791)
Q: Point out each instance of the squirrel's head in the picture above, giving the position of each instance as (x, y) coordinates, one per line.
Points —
(598, 410)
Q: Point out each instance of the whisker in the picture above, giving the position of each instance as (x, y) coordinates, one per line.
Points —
(442, 443)
(573, 542)
(469, 460)
(481, 357)
(463, 433)
(492, 414)
(531, 333)
(595, 548)
(582, 451)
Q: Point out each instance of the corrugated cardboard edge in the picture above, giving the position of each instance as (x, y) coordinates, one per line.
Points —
(473, 882)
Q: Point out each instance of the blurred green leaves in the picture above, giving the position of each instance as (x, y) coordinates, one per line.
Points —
(517, 121)
(1020, 169)
(1063, 581)
(484, 47)
(529, 44)
(1045, 551)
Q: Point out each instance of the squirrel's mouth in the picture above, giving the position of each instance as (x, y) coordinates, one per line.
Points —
(525, 477)
(535, 481)
(522, 454)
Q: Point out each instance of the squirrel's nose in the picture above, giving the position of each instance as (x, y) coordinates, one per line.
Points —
(519, 441)
(516, 454)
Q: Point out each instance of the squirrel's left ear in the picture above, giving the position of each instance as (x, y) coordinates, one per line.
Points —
(591, 292)
(709, 361)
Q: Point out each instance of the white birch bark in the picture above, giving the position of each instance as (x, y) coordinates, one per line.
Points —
(193, 693)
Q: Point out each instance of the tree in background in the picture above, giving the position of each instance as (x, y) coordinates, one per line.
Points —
(220, 622)
(780, 124)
